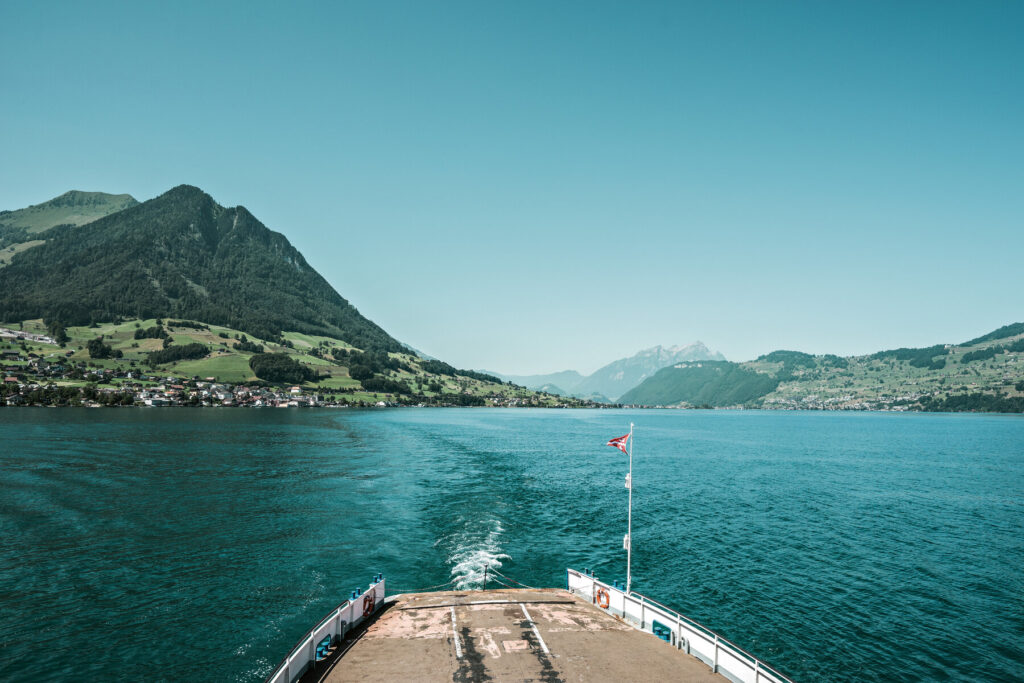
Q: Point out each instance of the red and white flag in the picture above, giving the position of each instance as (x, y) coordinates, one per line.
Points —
(619, 442)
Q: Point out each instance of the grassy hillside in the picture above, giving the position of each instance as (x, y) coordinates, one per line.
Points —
(9, 252)
(71, 208)
(408, 381)
(986, 373)
(24, 227)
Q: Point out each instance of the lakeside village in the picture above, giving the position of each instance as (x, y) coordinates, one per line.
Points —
(30, 376)
(37, 384)
(39, 387)
(32, 379)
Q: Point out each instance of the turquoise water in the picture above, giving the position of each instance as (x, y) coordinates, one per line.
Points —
(202, 543)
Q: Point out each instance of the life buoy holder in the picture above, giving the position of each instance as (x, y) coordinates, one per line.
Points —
(602, 598)
(368, 604)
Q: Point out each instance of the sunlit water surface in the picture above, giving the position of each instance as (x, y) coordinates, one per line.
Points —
(202, 543)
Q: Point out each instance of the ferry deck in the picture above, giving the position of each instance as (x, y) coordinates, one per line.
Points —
(589, 631)
(504, 635)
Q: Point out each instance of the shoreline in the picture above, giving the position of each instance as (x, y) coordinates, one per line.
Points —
(352, 406)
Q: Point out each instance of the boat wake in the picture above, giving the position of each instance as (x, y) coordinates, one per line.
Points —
(473, 549)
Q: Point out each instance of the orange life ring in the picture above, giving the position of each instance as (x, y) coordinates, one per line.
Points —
(602, 598)
(368, 603)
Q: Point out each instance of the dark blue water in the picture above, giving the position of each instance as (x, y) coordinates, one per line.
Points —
(167, 544)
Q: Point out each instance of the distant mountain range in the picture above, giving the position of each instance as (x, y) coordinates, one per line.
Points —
(556, 381)
(983, 374)
(608, 383)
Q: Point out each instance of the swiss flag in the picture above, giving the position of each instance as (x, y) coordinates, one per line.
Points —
(619, 442)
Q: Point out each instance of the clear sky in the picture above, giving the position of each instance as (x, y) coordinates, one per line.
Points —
(529, 187)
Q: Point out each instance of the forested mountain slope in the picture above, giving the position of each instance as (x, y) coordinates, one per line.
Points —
(181, 255)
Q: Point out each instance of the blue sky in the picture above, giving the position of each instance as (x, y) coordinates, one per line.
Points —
(529, 187)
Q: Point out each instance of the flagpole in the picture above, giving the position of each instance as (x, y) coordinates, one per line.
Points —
(629, 523)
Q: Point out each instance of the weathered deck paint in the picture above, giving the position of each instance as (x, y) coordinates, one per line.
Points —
(546, 635)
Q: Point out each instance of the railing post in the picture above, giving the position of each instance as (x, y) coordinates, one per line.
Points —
(757, 670)
(715, 667)
(642, 612)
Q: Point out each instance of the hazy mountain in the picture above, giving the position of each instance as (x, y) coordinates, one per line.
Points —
(179, 255)
(618, 377)
(986, 374)
(558, 382)
(614, 379)
(419, 354)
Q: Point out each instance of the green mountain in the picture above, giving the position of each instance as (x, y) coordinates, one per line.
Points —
(715, 383)
(180, 255)
(985, 374)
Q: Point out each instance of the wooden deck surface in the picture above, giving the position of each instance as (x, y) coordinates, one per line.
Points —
(546, 635)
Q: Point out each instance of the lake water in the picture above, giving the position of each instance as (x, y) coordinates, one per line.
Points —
(202, 543)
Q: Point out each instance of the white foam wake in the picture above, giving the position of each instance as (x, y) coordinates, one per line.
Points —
(475, 547)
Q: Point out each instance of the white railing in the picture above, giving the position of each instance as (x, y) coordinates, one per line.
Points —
(641, 612)
(336, 624)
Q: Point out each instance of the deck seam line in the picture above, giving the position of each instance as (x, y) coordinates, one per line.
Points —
(533, 625)
(487, 602)
(455, 636)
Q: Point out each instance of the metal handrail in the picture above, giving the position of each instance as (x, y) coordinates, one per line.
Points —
(306, 639)
(719, 640)
(710, 632)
